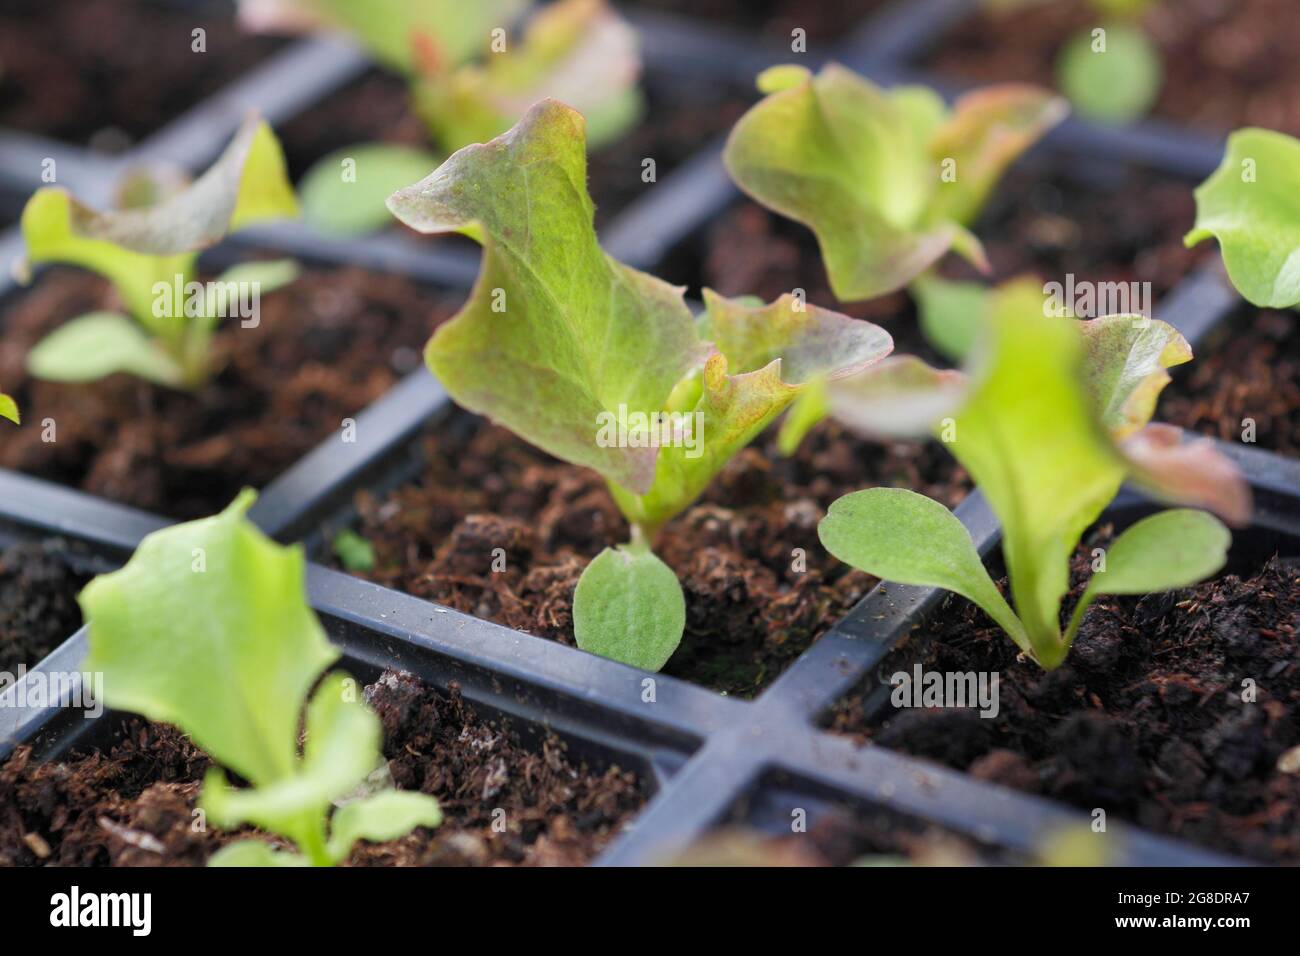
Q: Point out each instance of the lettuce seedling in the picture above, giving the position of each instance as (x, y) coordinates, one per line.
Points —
(208, 628)
(8, 408)
(888, 181)
(1251, 204)
(1055, 419)
(149, 255)
(467, 85)
(604, 366)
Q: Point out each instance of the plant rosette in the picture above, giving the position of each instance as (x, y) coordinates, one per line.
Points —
(149, 254)
(604, 366)
(1056, 418)
(207, 627)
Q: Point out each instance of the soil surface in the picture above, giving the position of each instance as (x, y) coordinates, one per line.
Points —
(678, 119)
(829, 20)
(1146, 718)
(132, 805)
(38, 602)
(1124, 227)
(1249, 370)
(1228, 63)
(325, 347)
(108, 73)
(749, 612)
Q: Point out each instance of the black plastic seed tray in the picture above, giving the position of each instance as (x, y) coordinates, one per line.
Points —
(708, 760)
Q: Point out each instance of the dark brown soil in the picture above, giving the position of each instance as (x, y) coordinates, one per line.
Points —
(1228, 63)
(133, 805)
(748, 612)
(38, 602)
(1249, 370)
(1122, 228)
(70, 69)
(1146, 718)
(678, 119)
(325, 347)
(828, 20)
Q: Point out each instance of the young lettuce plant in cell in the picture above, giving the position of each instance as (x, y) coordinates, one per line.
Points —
(149, 255)
(469, 82)
(604, 366)
(207, 627)
(1054, 420)
(888, 181)
(1251, 204)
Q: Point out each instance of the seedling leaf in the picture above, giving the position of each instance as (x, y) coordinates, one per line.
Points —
(899, 535)
(1251, 204)
(386, 815)
(1168, 550)
(1116, 85)
(341, 205)
(628, 606)
(556, 332)
(9, 409)
(98, 344)
(1124, 367)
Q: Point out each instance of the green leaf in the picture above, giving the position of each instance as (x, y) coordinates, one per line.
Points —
(1251, 204)
(898, 535)
(629, 607)
(556, 334)
(207, 627)
(354, 551)
(987, 131)
(250, 853)
(766, 357)
(384, 816)
(92, 346)
(579, 52)
(845, 159)
(9, 409)
(902, 397)
(1124, 367)
(1115, 83)
(135, 248)
(1169, 550)
(343, 740)
(1030, 438)
(807, 410)
(952, 314)
(404, 34)
(344, 193)
(864, 168)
